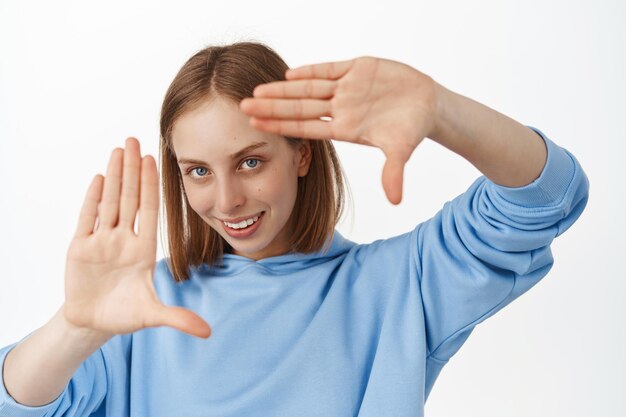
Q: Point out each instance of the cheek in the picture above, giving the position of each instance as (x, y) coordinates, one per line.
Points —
(279, 190)
(198, 201)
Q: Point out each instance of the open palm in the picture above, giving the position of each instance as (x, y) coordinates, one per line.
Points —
(109, 287)
(370, 101)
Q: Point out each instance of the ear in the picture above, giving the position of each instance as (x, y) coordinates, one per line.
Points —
(305, 154)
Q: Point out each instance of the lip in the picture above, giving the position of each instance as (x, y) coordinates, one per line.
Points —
(247, 232)
(239, 219)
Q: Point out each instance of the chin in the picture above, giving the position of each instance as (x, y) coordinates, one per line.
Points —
(249, 246)
(248, 249)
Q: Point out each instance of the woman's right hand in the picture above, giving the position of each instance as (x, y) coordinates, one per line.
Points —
(109, 281)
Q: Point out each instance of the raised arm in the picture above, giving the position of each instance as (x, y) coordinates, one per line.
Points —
(37, 370)
(485, 247)
(392, 106)
(504, 150)
(109, 292)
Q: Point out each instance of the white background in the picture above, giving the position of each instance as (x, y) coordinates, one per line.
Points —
(76, 79)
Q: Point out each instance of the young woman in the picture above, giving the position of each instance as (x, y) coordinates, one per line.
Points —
(304, 322)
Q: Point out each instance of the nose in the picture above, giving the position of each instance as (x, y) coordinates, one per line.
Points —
(230, 195)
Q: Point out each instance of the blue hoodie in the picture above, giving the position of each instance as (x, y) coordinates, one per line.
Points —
(361, 330)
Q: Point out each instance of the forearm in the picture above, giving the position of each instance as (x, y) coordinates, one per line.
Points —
(504, 150)
(38, 369)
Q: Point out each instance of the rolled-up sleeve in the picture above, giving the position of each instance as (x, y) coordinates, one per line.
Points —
(87, 390)
(491, 244)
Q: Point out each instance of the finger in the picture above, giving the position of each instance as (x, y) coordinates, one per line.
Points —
(109, 205)
(311, 129)
(297, 89)
(89, 211)
(272, 108)
(149, 208)
(182, 319)
(392, 178)
(326, 70)
(130, 183)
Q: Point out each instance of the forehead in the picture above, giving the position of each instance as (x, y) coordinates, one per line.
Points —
(217, 128)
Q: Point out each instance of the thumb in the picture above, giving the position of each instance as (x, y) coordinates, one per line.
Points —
(392, 178)
(184, 320)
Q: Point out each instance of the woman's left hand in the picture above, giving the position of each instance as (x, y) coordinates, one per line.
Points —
(371, 101)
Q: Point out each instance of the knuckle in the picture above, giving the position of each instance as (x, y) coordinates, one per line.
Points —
(299, 109)
(300, 127)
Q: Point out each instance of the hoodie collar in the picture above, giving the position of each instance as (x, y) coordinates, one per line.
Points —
(286, 263)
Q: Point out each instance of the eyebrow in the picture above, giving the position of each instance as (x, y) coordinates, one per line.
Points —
(234, 156)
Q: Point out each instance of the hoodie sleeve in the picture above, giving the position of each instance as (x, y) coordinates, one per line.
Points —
(490, 245)
(86, 391)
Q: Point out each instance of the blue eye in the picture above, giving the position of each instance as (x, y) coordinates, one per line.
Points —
(256, 162)
(198, 168)
(201, 172)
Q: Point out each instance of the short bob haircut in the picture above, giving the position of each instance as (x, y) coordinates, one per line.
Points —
(231, 72)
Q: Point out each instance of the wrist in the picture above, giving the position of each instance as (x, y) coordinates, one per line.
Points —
(90, 337)
(442, 113)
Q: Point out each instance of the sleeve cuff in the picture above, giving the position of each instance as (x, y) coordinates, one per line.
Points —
(11, 408)
(551, 185)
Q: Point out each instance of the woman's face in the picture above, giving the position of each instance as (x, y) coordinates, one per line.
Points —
(225, 182)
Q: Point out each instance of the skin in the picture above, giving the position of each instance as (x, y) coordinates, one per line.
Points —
(109, 273)
(264, 179)
(390, 105)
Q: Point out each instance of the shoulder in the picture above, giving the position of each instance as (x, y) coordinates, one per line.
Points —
(394, 251)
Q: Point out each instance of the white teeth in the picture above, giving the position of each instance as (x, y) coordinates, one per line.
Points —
(243, 223)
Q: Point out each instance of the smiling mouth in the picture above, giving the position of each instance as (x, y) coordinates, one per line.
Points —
(246, 231)
(244, 223)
